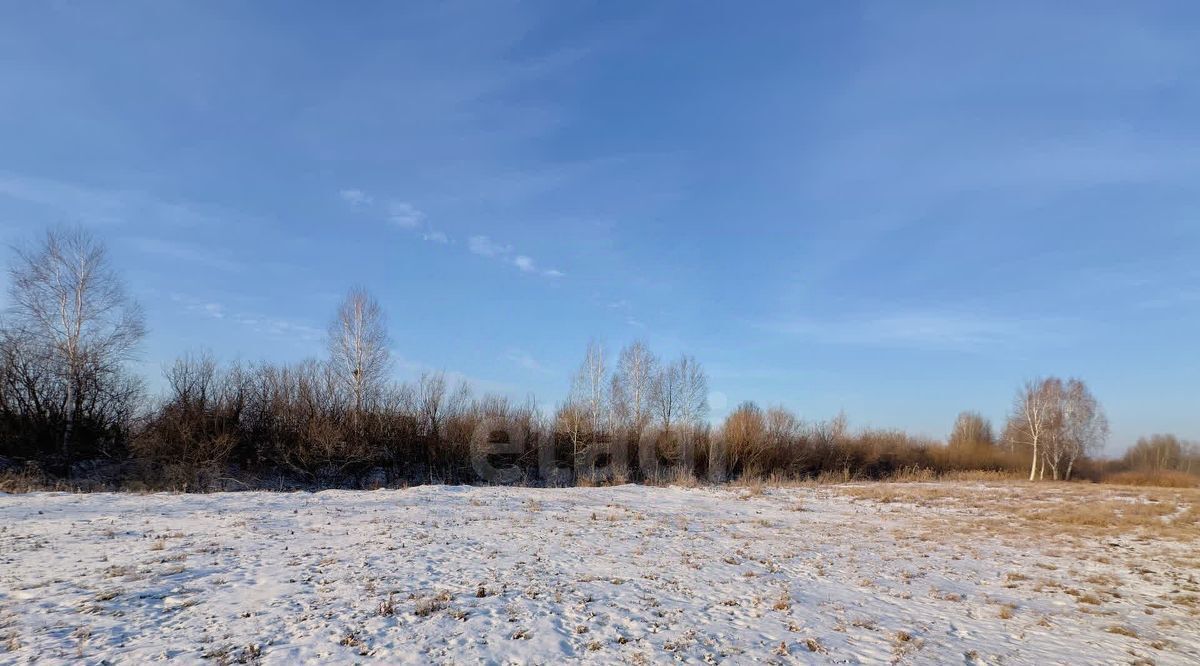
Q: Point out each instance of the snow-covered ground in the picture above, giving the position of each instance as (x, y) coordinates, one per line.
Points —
(628, 574)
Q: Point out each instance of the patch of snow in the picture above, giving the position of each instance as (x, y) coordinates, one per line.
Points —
(439, 574)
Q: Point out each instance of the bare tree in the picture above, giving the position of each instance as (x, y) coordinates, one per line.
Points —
(632, 384)
(192, 378)
(588, 388)
(571, 419)
(694, 390)
(1061, 423)
(1031, 420)
(1159, 452)
(1085, 426)
(358, 347)
(680, 394)
(430, 399)
(971, 430)
(65, 294)
(783, 430)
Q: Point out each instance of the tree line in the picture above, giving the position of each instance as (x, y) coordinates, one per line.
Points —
(71, 408)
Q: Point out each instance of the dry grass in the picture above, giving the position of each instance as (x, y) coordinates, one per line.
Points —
(1121, 630)
(108, 595)
(387, 607)
(1161, 479)
(1103, 514)
(1016, 509)
(426, 606)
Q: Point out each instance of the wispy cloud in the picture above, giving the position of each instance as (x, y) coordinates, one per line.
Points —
(268, 325)
(71, 202)
(524, 263)
(355, 197)
(933, 330)
(214, 310)
(525, 360)
(177, 251)
(280, 328)
(486, 247)
(625, 308)
(208, 309)
(404, 215)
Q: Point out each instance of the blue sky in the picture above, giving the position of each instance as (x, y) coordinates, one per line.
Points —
(902, 210)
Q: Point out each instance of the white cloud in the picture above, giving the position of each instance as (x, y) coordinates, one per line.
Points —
(176, 251)
(215, 310)
(525, 360)
(404, 215)
(273, 327)
(400, 213)
(407, 216)
(486, 247)
(355, 197)
(209, 309)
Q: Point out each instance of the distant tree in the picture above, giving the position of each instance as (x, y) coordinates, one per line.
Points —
(1032, 418)
(70, 310)
(572, 420)
(679, 394)
(1084, 424)
(632, 384)
(358, 348)
(589, 389)
(430, 399)
(1159, 452)
(1059, 422)
(971, 430)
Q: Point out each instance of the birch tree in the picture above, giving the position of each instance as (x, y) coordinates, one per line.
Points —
(679, 394)
(67, 297)
(589, 396)
(631, 386)
(358, 347)
(1033, 411)
(1085, 426)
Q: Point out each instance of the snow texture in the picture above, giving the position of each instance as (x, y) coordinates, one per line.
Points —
(628, 574)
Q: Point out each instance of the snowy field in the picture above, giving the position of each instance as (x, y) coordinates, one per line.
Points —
(905, 573)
